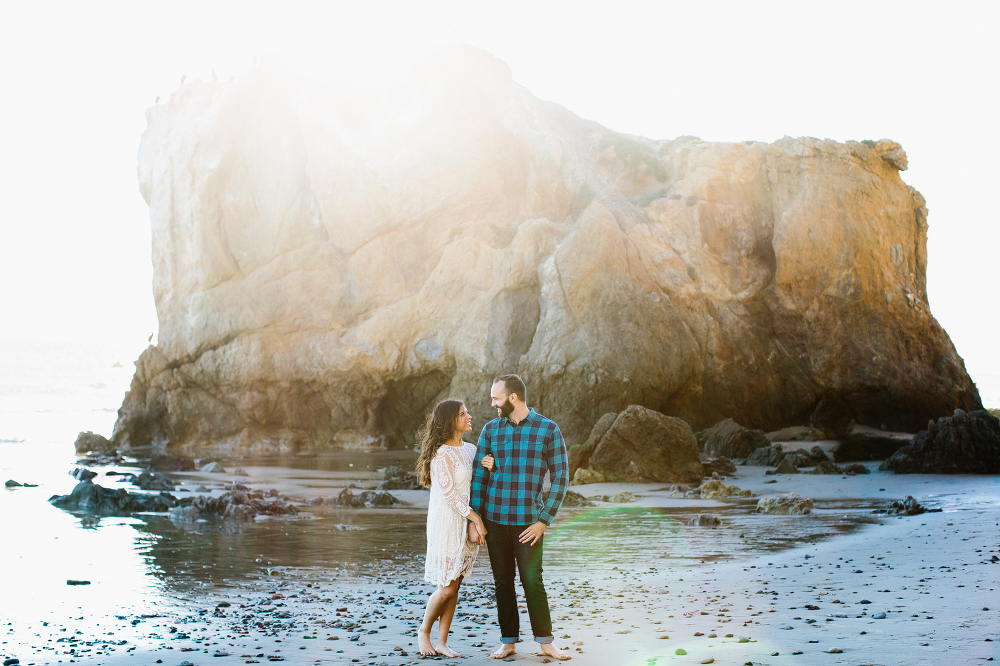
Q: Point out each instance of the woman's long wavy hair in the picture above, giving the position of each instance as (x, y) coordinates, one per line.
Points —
(440, 427)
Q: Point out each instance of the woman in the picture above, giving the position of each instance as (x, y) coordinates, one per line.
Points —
(445, 464)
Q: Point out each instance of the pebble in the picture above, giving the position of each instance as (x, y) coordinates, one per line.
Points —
(680, 651)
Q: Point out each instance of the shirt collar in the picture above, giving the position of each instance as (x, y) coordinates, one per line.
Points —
(526, 419)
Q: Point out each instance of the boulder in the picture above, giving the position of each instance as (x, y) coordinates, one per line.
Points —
(94, 498)
(865, 443)
(728, 438)
(906, 507)
(153, 481)
(790, 504)
(964, 443)
(765, 456)
(308, 240)
(83, 474)
(579, 454)
(720, 465)
(827, 467)
(575, 499)
(89, 442)
(646, 446)
(368, 498)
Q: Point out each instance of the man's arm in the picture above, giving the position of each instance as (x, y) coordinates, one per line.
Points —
(558, 464)
(477, 493)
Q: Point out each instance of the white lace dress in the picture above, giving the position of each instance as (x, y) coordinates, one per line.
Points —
(450, 554)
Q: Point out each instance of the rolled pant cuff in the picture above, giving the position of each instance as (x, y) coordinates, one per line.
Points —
(543, 639)
(508, 639)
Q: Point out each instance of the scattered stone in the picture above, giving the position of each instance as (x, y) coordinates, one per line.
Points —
(153, 481)
(721, 465)
(368, 498)
(879, 616)
(728, 438)
(11, 483)
(789, 504)
(964, 443)
(236, 505)
(82, 473)
(786, 466)
(705, 520)
(396, 478)
(827, 467)
(906, 507)
(77, 582)
(765, 456)
(89, 442)
(101, 459)
(714, 489)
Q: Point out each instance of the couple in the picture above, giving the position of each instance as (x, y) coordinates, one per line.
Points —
(497, 503)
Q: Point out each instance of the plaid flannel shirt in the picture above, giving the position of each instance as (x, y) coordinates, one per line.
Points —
(512, 493)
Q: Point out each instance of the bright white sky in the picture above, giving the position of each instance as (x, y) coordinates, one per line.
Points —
(76, 78)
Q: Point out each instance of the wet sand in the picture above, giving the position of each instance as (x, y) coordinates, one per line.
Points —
(817, 601)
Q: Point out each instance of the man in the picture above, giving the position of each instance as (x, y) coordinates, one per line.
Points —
(524, 445)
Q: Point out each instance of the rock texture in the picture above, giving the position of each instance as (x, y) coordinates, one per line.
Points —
(728, 438)
(964, 443)
(785, 505)
(329, 261)
(646, 446)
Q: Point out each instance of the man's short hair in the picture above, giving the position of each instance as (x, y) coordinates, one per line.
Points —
(513, 384)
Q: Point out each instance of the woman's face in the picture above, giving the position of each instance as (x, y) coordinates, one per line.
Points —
(464, 421)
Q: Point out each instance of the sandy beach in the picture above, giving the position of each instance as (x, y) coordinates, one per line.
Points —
(874, 589)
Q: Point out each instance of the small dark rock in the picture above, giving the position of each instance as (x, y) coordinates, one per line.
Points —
(906, 507)
(576, 499)
(83, 474)
(396, 478)
(153, 481)
(77, 582)
(786, 466)
(705, 520)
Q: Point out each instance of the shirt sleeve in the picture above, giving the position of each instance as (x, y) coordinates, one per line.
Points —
(443, 473)
(558, 464)
(480, 476)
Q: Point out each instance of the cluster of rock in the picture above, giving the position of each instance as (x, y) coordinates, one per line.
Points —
(239, 504)
(827, 467)
(367, 499)
(906, 507)
(963, 443)
(785, 505)
(397, 478)
(697, 279)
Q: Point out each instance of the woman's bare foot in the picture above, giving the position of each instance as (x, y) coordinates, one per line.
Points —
(550, 650)
(442, 648)
(424, 643)
(505, 650)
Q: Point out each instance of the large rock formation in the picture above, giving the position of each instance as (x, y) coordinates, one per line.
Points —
(328, 262)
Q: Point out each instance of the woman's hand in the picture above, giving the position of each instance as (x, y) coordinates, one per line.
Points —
(480, 529)
(487, 462)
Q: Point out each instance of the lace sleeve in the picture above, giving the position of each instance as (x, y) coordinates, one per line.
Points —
(443, 474)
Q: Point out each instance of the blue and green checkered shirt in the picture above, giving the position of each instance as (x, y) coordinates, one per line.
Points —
(512, 493)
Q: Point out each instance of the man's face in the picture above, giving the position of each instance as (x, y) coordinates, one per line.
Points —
(501, 400)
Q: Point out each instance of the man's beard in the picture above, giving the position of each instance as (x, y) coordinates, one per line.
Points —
(506, 409)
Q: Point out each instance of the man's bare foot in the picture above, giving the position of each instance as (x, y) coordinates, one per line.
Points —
(442, 648)
(505, 650)
(424, 643)
(550, 650)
